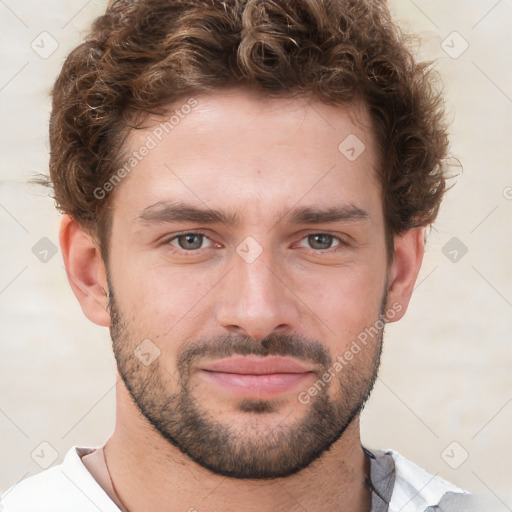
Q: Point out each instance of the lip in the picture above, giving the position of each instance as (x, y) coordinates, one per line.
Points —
(251, 365)
(256, 377)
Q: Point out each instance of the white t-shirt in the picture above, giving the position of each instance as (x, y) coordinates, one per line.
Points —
(69, 487)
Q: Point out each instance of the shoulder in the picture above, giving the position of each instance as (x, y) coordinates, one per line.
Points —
(416, 490)
(66, 486)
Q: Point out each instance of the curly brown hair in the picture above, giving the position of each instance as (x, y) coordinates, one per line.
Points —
(143, 55)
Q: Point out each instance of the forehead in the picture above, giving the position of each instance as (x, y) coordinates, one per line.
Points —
(244, 151)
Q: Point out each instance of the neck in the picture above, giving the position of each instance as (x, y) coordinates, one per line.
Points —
(149, 473)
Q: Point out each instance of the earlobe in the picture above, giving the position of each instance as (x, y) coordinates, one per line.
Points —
(408, 255)
(85, 270)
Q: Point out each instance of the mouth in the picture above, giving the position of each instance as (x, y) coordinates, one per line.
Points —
(256, 377)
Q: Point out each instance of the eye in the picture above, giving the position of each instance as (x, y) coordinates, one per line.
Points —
(188, 241)
(322, 241)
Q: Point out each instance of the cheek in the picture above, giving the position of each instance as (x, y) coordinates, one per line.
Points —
(348, 302)
(157, 297)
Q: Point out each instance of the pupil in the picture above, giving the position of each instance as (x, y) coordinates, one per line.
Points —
(322, 239)
(189, 239)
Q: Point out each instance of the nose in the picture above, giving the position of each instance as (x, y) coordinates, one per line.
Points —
(255, 300)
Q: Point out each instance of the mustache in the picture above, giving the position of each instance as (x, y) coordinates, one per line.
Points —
(223, 346)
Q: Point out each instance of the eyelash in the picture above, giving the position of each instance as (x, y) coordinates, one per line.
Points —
(341, 242)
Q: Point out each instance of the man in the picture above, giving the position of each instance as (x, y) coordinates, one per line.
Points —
(245, 188)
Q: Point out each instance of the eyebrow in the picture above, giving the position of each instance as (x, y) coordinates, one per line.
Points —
(315, 215)
(169, 212)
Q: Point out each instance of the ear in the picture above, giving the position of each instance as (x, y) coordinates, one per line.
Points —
(85, 270)
(404, 269)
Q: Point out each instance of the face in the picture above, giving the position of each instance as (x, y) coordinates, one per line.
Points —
(247, 257)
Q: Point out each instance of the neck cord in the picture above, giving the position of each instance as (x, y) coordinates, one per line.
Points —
(124, 507)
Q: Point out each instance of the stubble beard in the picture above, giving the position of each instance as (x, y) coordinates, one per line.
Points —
(255, 451)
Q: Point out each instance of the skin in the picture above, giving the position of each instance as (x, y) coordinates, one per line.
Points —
(260, 158)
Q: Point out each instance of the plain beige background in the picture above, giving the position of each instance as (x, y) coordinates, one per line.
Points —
(444, 396)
